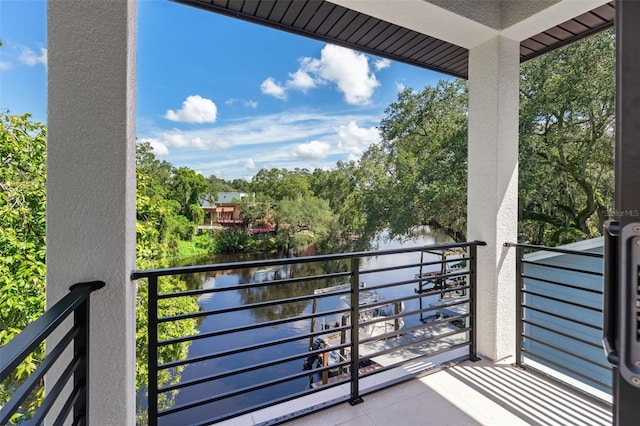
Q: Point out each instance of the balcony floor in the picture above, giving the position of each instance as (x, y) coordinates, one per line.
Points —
(480, 393)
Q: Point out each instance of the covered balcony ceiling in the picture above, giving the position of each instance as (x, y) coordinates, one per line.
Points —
(433, 34)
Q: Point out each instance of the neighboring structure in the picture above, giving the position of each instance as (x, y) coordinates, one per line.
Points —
(225, 212)
(230, 197)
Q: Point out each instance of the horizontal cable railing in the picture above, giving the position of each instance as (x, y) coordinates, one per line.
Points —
(559, 305)
(270, 331)
(70, 406)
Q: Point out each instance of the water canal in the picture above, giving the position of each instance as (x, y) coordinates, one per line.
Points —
(241, 297)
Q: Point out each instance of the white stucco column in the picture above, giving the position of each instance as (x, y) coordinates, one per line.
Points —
(493, 188)
(91, 185)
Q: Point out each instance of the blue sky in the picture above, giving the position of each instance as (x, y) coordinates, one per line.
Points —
(223, 96)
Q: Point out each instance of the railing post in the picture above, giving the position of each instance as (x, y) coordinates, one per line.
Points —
(81, 318)
(152, 351)
(519, 310)
(355, 332)
(81, 374)
(473, 301)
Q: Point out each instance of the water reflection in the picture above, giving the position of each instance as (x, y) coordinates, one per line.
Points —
(283, 314)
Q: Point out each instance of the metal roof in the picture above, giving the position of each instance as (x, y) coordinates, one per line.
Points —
(325, 21)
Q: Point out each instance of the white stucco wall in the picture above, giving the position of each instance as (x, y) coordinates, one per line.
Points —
(492, 211)
(91, 185)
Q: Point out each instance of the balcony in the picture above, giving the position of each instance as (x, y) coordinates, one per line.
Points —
(411, 354)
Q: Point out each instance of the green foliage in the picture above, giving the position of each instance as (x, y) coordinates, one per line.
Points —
(566, 142)
(166, 307)
(417, 175)
(22, 237)
(186, 187)
(160, 228)
(342, 187)
(278, 184)
(233, 240)
(303, 221)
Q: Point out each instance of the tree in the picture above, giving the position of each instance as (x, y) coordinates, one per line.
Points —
(278, 184)
(22, 237)
(342, 188)
(417, 174)
(566, 141)
(186, 188)
(303, 221)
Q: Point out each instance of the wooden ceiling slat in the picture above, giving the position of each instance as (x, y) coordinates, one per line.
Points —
(353, 26)
(248, 7)
(294, 10)
(279, 10)
(545, 39)
(405, 42)
(336, 24)
(590, 20)
(264, 8)
(306, 14)
(384, 36)
(342, 23)
(367, 38)
(387, 44)
(362, 30)
(415, 45)
(451, 58)
(332, 20)
(319, 17)
(451, 51)
(574, 27)
(559, 33)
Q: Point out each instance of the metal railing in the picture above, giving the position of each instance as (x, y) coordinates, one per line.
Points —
(271, 331)
(559, 303)
(75, 372)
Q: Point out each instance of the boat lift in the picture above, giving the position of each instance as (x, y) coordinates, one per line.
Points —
(437, 280)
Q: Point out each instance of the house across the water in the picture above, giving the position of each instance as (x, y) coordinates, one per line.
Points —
(224, 212)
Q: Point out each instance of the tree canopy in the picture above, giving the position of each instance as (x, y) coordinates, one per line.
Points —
(566, 141)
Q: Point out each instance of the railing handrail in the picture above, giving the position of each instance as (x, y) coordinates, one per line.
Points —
(12, 354)
(448, 337)
(75, 303)
(288, 261)
(554, 249)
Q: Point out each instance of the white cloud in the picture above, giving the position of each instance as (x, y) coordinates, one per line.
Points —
(180, 139)
(400, 86)
(348, 69)
(251, 104)
(302, 81)
(5, 65)
(31, 58)
(195, 109)
(270, 87)
(314, 150)
(354, 139)
(382, 64)
(230, 148)
(157, 147)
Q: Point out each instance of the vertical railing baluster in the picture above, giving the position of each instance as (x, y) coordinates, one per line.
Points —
(519, 310)
(81, 374)
(152, 352)
(473, 300)
(355, 332)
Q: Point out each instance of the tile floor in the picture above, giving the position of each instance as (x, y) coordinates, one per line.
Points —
(481, 393)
